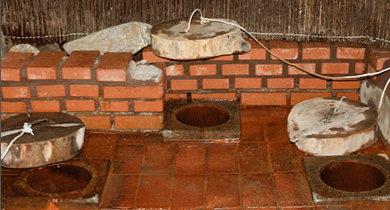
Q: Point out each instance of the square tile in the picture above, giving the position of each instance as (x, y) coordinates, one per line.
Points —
(285, 156)
(223, 191)
(154, 192)
(252, 129)
(158, 159)
(258, 190)
(222, 158)
(190, 159)
(188, 191)
(254, 158)
(99, 146)
(292, 189)
(120, 191)
(128, 159)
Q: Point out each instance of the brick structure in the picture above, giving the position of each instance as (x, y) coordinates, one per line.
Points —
(98, 89)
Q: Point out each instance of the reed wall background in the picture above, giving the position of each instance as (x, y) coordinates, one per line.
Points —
(351, 21)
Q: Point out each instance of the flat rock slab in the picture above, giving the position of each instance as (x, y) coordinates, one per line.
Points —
(57, 137)
(128, 37)
(351, 127)
(212, 39)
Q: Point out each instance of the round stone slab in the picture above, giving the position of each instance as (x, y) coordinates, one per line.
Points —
(57, 137)
(212, 39)
(349, 129)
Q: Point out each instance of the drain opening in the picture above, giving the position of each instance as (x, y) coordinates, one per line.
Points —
(352, 176)
(59, 179)
(202, 116)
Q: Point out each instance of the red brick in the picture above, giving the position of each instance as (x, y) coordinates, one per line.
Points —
(268, 69)
(315, 51)
(222, 58)
(148, 106)
(248, 83)
(148, 54)
(97, 122)
(311, 67)
(123, 122)
(230, 96)
(15, 92)
(334, 68)
(184, 84)
(312, 83)
(47, 91)
(203, 70)
(360, 67)
(297, 97)
(80, 105)
(84, 90)
(11, 65)
(235, 69)
(155, 91)
(45, 106)
(175, 96)
(114, 106)
(256, 53)
(350, 52)
(79, 65)
(284, 50)
(13, 107)
(274, 98)
(174, 70)
(113, 66)
(216, 83)
(280, 83)
(345, 84)
(378, 56)
(352, 96)
(44, 65)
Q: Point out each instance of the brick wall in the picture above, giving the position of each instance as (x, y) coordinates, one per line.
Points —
(100, 91)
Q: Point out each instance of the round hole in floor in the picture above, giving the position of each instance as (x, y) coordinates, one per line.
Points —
(203, 115)
(59, 178)
(352, 176)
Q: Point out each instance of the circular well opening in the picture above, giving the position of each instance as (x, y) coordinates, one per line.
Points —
(59, 178)
(352, 176)
(203, 115)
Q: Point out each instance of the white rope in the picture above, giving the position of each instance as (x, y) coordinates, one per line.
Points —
(26, 129)
(202, 21)
(383, 95)
(46, 36)
(335, 110)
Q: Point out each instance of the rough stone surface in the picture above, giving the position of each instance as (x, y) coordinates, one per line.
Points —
(27, 48)
(351, 128)
(142, 72)
(128, 37)
(169, 39)
(50, 47)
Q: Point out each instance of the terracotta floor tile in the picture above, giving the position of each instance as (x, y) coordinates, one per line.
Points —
(285, 156)
(254, 158)
(257, 190)
(120, 191)
(190, 159)
(154, 191)
(188, 191)
(276, 130)
(134, 138)
(292, 189)
(252, 129)
(378, 147)
(374, 206)
(127, 159)
(332, 207)
(223, 191)
(99, 146)
(159, 159)
(222, 158)
(297, 208)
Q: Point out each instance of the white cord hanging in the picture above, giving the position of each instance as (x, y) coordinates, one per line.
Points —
(26, 129)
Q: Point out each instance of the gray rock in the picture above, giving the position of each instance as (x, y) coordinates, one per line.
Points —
(128, 37)
(27, 48)
(142, 72)
(3, 46)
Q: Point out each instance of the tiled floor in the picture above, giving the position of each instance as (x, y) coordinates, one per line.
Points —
(264, 171)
